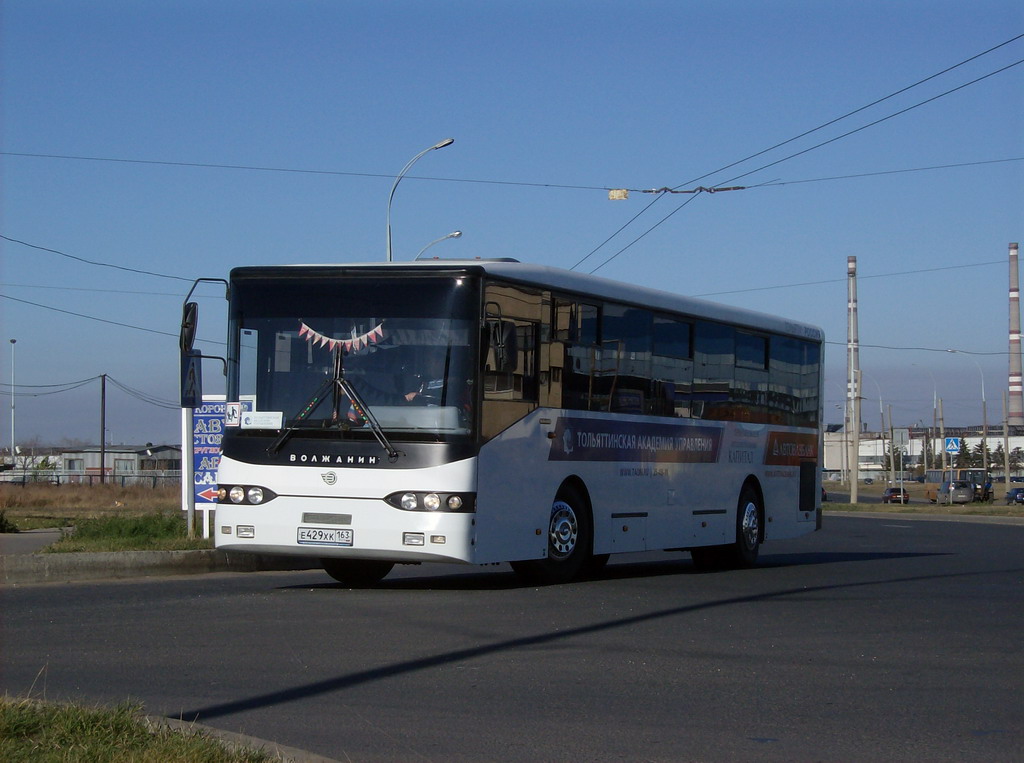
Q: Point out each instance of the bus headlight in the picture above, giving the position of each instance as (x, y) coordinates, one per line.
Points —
(251, 495)
(423, 501)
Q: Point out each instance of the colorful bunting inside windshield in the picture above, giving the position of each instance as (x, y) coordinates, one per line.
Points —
(352, 344)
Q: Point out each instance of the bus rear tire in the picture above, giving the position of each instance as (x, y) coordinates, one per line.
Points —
(749, 524)
(570, 541)
(744, 552)
(357, 572)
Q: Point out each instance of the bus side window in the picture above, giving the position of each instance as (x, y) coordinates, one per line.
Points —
(714, 357)
(750, 389)
(793, 376)
(576, 326)
(510, 368)
(625, 364)
(672, 367)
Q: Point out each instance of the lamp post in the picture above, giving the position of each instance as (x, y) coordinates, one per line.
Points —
(984, 417)
(934, 427)
(408, 165)
(881, 422)
(453, 234)
(14, 459)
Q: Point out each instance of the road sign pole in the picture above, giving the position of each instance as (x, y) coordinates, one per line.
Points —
(188, 493)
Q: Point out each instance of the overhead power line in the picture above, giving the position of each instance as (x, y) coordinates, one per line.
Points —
(56, 389)
(51, 389)
(178, 295)
(878, 121)
(88, 317)
(812, 148)
(93, 262)
(145, 397)
(344, 173)
(100, 320)
(855, 111)
(844, 280)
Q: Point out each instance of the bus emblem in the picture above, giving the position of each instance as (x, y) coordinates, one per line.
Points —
(329, 477)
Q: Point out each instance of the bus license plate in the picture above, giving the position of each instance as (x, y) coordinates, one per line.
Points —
(325, 536)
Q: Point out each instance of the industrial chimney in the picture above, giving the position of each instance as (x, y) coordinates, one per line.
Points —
(1015, 413)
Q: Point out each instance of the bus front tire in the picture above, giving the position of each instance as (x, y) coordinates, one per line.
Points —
(570, 540)
(357, 572)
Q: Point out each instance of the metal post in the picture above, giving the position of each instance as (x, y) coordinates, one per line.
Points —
(398, 179)
(1006, 444)
(14, 452)
(853, 375)
(103, 428)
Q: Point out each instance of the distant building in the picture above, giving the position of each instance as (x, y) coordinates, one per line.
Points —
(121, 461)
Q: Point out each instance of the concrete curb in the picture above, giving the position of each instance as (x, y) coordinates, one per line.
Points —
(18, 569)
(241, 741)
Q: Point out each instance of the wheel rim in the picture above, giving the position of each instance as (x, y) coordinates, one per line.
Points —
(750, 528)
(563, 531)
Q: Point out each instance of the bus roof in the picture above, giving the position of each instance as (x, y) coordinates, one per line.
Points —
(559, 280)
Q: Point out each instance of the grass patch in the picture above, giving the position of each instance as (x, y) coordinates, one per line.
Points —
(100, 517)
(6, 525)
(960, 510)
(89, 499)
(38, 506)
(39, 733)
(148, 532)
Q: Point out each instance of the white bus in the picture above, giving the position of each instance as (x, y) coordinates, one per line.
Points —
(495, 411)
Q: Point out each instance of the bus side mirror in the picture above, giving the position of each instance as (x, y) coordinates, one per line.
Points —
(189, 320)
(504, 346)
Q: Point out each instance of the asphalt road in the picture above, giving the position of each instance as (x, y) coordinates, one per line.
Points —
(874, 639)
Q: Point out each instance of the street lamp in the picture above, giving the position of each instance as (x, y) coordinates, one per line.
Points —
(14, 460)
(984, 415)
(13, 457)
(453, 234)
(935, 420)
(409, 164)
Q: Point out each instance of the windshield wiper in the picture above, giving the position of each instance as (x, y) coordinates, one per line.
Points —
(339, 386)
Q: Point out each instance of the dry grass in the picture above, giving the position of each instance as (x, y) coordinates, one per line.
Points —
(33, 731)
(919, 504)
(33, 506)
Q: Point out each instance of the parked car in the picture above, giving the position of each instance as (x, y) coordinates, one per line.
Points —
(959, 491)
(1015, 495)
(895, 495)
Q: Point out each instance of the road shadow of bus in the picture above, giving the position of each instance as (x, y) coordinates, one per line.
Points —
(500, 578)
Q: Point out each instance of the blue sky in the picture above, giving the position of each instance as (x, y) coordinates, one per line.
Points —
(549, 103)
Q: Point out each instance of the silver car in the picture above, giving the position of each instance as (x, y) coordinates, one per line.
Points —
(955, 492)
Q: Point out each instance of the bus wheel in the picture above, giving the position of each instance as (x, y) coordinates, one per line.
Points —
(748, 529)
(357, 572)
(570, 537)
(742, 553)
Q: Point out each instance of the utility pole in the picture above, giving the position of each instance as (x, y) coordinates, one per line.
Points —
(1006, 444)
(14, 449)
(853, 375)
(892, 451)
(942, 439)
(1016, 402)
(103, 428)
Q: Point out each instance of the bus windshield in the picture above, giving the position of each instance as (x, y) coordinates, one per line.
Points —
(406, 345)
